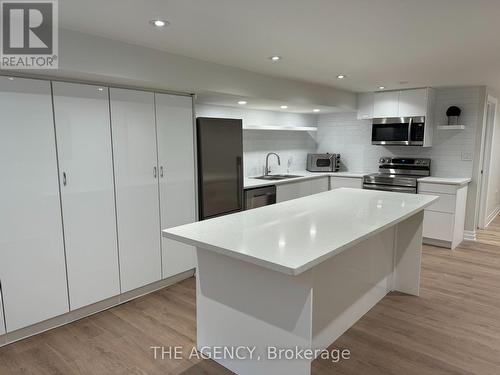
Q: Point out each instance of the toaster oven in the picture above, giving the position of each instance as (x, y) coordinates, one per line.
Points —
(323, 162)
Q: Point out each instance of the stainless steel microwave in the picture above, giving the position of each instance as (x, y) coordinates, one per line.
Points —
(405, 131)
(323, 162)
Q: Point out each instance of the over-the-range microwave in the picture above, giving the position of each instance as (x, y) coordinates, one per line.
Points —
(402, 131)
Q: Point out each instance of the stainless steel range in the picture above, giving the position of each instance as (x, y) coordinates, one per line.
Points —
(398, 174)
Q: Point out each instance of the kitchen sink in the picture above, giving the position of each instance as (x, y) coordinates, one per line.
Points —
(274, 177)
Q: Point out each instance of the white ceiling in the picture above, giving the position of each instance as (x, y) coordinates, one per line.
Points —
(373, 42)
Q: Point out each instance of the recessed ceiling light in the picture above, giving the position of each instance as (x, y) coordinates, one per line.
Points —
(11, 78)
(284, 107)
(341, 76)
(316, 110)
(275, 58)
(242, 102)
(100, 89)
(381, 87)
(159, 23)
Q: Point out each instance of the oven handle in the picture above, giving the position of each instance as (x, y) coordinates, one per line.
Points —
(389, 188)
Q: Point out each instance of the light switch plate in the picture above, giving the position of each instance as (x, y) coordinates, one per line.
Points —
(466, 156)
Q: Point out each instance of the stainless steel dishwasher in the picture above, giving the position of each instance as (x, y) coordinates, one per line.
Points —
(261, 196)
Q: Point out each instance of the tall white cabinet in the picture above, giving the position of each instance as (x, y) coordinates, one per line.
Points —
(32, 262)
(87, 191)
(174, 120)
(136, 178)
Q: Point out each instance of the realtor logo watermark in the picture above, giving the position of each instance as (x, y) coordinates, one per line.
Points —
(29, 37)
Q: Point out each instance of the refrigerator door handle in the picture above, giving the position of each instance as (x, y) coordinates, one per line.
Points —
(240, 182)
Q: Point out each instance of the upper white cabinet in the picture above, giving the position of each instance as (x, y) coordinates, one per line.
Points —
(365, 105)
(404, 103)
(413, 103)
(136, 173)
(175, 129)
(32, 267)
(87, 191)
(386, 104)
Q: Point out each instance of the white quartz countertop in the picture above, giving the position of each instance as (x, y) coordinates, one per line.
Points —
(294, 236)
(445, 180)
(251, 182)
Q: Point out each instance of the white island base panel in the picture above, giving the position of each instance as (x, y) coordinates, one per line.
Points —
(242, 304)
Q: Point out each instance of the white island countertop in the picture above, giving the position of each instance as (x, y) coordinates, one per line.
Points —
(294, 236)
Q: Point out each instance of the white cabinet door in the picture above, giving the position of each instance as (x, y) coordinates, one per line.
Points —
(87, 191)
(438, 225)
(137, 202)
(174, 121)
(386, 104)
(319, 185)
(413, 103)
(365, 105)
(292, 190)
(346, 182)
(32, 268)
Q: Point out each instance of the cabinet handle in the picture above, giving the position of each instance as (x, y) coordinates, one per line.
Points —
(154, 172)
(161, 171)
(64, 179)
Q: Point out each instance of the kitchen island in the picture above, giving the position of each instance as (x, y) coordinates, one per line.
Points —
(300, 273)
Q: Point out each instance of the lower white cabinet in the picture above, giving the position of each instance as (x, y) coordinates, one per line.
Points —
(136, 173)
(346, 182)
(32, 266)
(298, 189)
(87, 191)
(175, 129)
(444, 220)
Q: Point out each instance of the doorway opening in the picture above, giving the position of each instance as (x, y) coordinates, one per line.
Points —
(489, 206)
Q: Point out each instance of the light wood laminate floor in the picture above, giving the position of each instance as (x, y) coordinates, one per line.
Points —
(452, 328)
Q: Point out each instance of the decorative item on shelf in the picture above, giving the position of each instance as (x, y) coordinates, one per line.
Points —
(453, 114)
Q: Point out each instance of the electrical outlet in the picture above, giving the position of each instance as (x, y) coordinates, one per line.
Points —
(466, 156)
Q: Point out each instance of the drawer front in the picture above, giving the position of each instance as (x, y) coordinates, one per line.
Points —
(437, 188)
(446, 203)
(438, 225)
(347, 182)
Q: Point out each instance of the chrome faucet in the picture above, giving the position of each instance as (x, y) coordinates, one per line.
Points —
(267, 162)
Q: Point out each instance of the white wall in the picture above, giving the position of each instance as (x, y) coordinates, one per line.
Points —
(90, 57)
(344, 134)
(290, 145)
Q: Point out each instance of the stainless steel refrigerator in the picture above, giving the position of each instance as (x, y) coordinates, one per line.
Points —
(220, 166)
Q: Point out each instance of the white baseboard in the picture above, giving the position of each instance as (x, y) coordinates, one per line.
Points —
(83, 312)
(470, 235)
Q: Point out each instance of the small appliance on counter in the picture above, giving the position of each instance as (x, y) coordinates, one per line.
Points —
(398, 174)
(323, 162)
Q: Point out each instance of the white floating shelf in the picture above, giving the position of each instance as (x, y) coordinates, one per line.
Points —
(287, 128)
(451, 127)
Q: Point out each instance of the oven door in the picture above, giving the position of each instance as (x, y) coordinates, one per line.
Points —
(391, 131)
